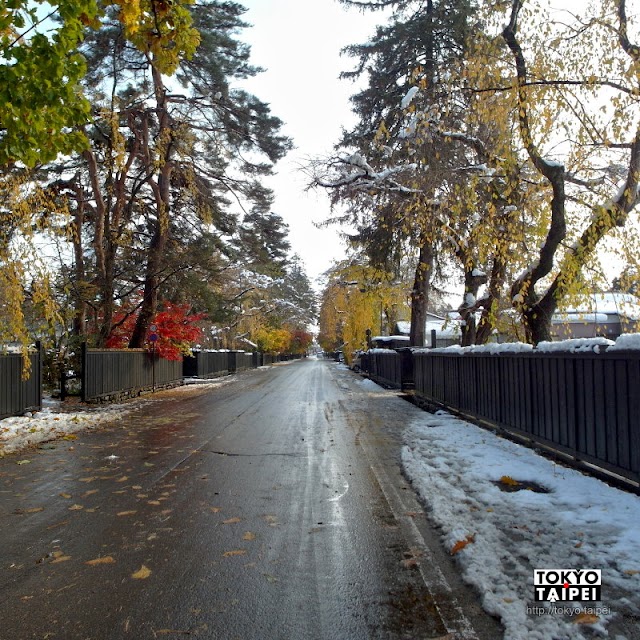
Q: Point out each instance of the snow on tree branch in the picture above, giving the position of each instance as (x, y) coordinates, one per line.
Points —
(354, 171)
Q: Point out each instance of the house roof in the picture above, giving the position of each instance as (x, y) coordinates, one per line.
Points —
(601, 304)
(444, 327)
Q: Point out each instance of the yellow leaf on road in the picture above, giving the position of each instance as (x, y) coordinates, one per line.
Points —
(231, 521)
(60, 559)
(76, 507)
(235, 552)
(127, 513)
(102, 560)
(249, 536)
(142, 573)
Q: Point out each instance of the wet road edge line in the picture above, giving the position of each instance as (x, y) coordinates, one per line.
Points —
(455, 622)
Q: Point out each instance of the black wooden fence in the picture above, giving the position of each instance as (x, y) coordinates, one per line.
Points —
(211, 364)
(113, 374)
(389, 367)
(110, 373)
(585, 405)
(385, 367)
(240, 361)
(17, 395)
(206, 364)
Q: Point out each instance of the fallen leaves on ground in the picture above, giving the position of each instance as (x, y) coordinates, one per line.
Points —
(461, 544)
(412, 558)
(585, 618)
(58, 556)
(231, 520)
(235, 552)
(31, 510)
(127, 513)
(142, 573)
(249, 536)
(101, 560)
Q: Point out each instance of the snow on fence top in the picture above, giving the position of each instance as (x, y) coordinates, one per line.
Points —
(626, 342)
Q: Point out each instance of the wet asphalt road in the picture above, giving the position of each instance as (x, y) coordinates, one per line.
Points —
(270, 507)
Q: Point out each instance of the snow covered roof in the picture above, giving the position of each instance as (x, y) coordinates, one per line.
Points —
(403, 327)
(434, 322)
(612, 303)
(443, 328)
(390, 339)
(579, 317)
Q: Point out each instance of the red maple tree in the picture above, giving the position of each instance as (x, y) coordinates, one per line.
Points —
(300, 341)
(176, 329)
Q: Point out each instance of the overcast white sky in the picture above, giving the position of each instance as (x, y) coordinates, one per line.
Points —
(298, 42)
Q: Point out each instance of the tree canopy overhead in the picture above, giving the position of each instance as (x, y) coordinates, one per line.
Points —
(159, 196)
(41, 100)
(508, 149)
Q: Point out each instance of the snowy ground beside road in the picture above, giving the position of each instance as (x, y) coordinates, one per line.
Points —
(59, 421)
(51, 423)
(500, 537)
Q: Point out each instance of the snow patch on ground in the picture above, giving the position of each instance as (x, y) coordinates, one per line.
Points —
(368, 385)
(57, 421)
(581, 524)
(52, 423)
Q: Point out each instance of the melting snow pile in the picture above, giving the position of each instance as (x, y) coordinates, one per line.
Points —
(49, 424)
(500, 537)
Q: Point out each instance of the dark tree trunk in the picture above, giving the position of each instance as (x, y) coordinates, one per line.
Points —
(420, 294)
(80, 304)
(468, 308)
(538, 324)
(162, 196)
